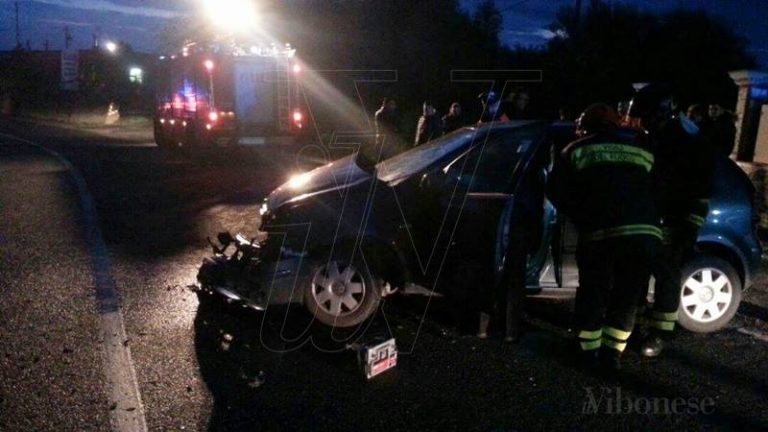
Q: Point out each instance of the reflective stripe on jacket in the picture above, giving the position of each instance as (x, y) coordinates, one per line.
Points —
(603, 183)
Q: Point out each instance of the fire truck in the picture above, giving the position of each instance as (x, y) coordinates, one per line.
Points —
(224, 95)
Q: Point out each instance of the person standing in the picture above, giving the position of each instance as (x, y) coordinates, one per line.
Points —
(494, 109)
(697, 114)
(602, 182)
(387, 129)
(454, 119)
(685, 160)
(429, 126)
(519, 103)
(722, 128)
(387, 119)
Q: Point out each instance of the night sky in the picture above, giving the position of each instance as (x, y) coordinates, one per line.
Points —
(138, 22)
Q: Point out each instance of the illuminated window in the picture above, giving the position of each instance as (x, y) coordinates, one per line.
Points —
(136, 75)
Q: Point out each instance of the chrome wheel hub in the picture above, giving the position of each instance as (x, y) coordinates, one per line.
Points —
(706, 295)
(338, 290)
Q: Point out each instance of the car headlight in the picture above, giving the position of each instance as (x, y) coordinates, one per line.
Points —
(298, 181)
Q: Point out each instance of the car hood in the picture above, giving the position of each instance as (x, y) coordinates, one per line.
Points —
(336, 175)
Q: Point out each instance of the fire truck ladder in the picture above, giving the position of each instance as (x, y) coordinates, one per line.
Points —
(283, 96)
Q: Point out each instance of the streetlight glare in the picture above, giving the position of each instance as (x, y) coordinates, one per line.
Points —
(110, 46)
(231, 15)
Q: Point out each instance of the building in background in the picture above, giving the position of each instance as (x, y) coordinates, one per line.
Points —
(752, 116)
(91, 78)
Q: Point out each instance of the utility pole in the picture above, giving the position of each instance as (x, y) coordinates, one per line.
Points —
(18, 32)
(67, 37)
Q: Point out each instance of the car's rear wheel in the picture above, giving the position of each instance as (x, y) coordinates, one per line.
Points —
(710, 294)
(342, 294)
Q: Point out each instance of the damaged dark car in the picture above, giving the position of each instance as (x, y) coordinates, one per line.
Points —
(340, 238)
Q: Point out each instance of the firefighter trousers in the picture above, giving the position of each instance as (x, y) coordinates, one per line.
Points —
(677, 248)
(613, 274)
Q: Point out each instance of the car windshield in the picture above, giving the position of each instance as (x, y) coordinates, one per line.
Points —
(421, 157)
(492, 161)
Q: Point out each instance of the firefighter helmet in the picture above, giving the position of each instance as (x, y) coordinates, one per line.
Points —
(597, 117)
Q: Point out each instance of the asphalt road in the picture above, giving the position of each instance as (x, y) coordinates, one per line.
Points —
(205, 366)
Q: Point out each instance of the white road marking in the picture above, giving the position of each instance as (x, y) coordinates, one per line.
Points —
(121, 385)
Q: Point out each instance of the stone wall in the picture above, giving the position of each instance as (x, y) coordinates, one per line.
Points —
(758, 173)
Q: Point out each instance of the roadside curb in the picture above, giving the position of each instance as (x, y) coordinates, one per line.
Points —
(121, 386)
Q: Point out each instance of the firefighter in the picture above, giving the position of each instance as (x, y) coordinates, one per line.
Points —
(683, 173)
(602, 182)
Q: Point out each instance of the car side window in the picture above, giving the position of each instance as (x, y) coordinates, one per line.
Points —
(491, 162)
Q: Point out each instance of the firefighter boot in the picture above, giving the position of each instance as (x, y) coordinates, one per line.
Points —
(662, 327)
(653, 345)
(610, 360)
(587, 344)
(586, 360)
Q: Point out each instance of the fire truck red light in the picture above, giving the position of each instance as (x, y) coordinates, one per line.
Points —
(213, 116)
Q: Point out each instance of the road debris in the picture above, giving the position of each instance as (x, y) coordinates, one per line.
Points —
(375, 356)
(254, 381)
(757, 334)
(226, 341)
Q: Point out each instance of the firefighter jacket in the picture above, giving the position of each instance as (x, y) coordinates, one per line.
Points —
(685, 161)
(603, 183)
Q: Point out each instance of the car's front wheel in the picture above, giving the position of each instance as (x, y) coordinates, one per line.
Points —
(341, 294)
(710, 294)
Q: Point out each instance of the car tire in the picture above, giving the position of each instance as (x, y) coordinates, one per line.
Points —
(710, 294)
(342, 295)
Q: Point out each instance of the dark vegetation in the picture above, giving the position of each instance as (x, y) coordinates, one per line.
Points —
(595, 55)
